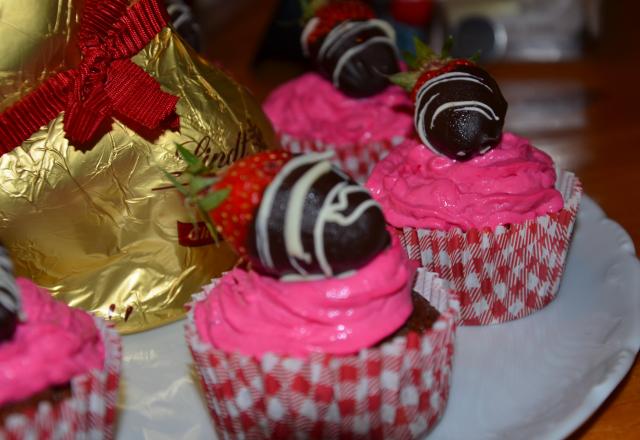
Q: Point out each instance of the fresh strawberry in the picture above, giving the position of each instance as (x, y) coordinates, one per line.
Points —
(425, 64)
(437, 70)
(245, 180)
(227, 201)
(335, 12)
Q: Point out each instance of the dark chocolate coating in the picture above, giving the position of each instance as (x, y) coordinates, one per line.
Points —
(346, 247)
(472, 125)
(9, 298)
(8, 323)
(422, 318)
(366, 72)
(184, 22)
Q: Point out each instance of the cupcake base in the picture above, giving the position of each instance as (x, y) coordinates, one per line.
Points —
(85, 409)
(355, 159)
(397, 390)
(502, 274)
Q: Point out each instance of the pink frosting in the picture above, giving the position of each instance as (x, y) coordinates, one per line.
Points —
(254, 314)
(512, 183)
(310, 108)
(54, 344)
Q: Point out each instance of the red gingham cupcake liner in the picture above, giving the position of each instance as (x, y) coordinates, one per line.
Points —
(398, 390)
(502, 274)
(356, 159)
(90, 411)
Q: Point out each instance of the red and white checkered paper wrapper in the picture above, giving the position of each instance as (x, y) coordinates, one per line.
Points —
(504, 274)
(398, 390)
(357, 160)
(90, 411)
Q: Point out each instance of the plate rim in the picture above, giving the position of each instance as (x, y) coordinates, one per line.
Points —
(599, 394)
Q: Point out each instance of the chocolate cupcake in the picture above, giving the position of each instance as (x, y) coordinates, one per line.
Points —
(326, 308)
(60, 367)
(484, 209)
(348, 105)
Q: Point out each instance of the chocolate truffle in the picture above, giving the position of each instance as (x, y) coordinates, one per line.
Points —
(314, 220)
(357, 56)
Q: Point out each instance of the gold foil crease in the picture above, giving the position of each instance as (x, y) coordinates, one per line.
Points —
(37, 39)
(97, 228)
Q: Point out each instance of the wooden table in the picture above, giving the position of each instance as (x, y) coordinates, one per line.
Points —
(585, 113)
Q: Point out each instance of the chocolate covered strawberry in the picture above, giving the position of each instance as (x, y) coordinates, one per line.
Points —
(349, 46)
(289, 215)
(459, 108)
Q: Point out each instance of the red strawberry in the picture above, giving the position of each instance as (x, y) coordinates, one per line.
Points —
(436, 70)
(413, 12)
(246, 180)
(334, 13)
(227, 201)
(425, 64)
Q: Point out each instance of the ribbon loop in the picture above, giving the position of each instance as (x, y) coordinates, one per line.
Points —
(106, 84)
(131, 89)
(84, 118)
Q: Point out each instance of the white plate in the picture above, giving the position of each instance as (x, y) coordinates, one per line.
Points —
(538, 377)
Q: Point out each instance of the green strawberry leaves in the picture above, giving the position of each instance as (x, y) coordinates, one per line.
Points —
(406, 80)
(213, 199)
(445, 53)
(418, 61)
(475, 58)
(309, 8)
(423, 53)
(197, 188)
(423, 59)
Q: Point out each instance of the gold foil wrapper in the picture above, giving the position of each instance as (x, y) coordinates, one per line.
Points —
(99, 228)
(37, 39)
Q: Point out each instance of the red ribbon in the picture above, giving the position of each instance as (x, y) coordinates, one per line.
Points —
(106, 84)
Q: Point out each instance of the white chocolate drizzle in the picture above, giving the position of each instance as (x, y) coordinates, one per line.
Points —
(347, 55)
(295, 211)
(475, 106)
(331, 211)
(308, 29)
(343, 31)
(420, 128)
(459, 106)
(9, 293)
(266, 205)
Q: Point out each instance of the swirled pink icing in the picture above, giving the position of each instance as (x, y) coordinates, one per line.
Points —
(254, 314)
(512, 183)
(54, 344)
(310, 108)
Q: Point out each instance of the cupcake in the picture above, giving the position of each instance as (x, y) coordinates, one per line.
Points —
(485, 210)
(347, 105)
(321, 335)
(59, 367)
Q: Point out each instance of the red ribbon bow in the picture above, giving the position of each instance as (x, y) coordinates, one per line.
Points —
(106, 85)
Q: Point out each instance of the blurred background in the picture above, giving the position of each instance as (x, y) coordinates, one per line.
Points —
(568, 68)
